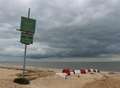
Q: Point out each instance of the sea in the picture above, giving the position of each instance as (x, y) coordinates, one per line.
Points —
(58, 63)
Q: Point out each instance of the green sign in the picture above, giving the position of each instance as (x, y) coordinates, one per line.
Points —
(26, 38)
(27, 25)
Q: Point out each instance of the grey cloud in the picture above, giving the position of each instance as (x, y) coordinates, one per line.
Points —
(67, 27)
(96, 37)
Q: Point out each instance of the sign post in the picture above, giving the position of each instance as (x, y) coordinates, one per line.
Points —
(24, 64)
(27, 29)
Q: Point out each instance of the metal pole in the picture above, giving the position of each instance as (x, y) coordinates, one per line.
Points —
(28, 13)
(24, 64)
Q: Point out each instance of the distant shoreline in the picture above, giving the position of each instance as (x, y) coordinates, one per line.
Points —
(104, 66)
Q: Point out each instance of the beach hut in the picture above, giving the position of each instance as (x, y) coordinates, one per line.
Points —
(66, 70)
(77, 71)
(89, 70)
(96, 70)
(93, 70)
(83, 71)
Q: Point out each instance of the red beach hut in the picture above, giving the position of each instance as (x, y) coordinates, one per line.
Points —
(66, 70)
(83, 71)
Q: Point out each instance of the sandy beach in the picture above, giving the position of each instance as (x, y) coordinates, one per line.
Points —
(47, 78)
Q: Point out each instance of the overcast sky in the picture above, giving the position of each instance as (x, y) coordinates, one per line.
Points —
(65, 28)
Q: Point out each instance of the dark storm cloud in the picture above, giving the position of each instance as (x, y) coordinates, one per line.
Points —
(88, 30)
(66, 27)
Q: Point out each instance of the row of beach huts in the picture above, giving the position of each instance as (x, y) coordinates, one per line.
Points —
(68, 71)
